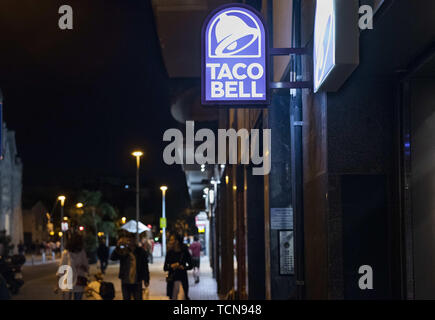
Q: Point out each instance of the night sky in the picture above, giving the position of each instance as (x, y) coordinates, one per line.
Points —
(81, 100)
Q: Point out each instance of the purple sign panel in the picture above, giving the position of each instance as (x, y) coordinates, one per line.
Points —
(234, 57)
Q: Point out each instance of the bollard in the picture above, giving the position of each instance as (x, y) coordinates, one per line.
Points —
(32, 259)
(52, 256)
(43, 257)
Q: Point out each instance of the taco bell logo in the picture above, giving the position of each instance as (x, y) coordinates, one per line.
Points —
(234, 57)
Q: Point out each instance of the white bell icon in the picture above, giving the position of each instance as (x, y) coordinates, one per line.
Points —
(229, 30)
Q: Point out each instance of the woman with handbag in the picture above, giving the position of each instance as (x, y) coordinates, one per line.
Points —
(75, 257)
(178, 261)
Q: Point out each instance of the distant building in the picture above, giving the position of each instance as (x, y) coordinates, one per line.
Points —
(35, 224)
(11, 170)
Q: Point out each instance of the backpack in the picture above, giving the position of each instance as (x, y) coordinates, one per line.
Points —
(107, 290)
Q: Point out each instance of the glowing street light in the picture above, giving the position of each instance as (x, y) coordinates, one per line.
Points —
(124, 220)
(164, 188)
(60, 234)
(79, 205)
(138, 155)
(62, 199)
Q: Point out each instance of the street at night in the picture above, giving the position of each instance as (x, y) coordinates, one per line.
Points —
(217, 158)
(41, 282)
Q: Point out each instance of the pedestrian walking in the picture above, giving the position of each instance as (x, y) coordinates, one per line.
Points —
(33, 248)
(151, 241)
(177, 262)
(58, 246)
(133, 267)
(148, 246)
(103, 256)
(75, 257)
(195, 250)
(41, 248)
(21, 248)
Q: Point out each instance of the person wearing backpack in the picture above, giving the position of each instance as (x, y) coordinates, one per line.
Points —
(100, 289)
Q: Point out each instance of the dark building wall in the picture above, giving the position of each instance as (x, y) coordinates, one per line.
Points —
(282, 287)
(363, 152)
(315, 200)
(255, 237)
(423, 184)
(361, 119)
(351, 159)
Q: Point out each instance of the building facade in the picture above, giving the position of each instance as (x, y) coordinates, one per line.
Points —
(352, 167)
(35, 224)
(11, 170)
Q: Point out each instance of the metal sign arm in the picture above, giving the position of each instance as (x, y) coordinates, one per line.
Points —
(290, 84)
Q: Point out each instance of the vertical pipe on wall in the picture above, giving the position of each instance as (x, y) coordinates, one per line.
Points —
(296, 154)
(268, 5)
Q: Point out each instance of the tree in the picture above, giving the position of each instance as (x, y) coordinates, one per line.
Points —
(109, 216)
(95, 216)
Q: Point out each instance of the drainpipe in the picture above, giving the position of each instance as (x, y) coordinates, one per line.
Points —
(296, 120)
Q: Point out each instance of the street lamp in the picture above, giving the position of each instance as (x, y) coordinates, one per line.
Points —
(164, 188)
(138, 155)
(62, 203)
(79, 205)
(124, 219)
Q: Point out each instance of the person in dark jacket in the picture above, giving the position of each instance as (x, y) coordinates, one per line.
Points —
(4, 291)
(21, 248)
(103, 256)
(177, 262)
(133, 267)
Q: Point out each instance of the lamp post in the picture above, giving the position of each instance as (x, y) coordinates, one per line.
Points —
(138, 155)
(62, 203)
(164, 188)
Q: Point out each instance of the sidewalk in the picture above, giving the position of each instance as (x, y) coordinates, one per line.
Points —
(206, 289)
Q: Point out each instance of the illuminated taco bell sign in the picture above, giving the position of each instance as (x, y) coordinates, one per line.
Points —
(234, 57)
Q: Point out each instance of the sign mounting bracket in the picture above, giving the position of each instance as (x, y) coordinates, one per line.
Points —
(290, 84)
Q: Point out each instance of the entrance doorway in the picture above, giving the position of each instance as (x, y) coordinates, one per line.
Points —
(419, 149)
